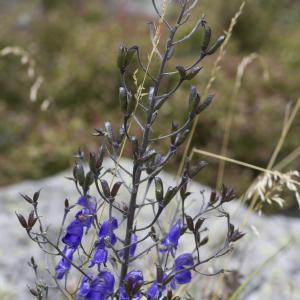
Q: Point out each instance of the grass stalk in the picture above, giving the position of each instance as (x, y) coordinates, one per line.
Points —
(246, 61)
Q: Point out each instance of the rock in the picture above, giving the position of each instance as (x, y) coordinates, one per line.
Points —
(279, 279)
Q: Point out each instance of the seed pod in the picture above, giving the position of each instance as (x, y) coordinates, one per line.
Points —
(159, 189)
(22, 221)
(190, 222)
(32, 261)
(192, 73)
(93, 162)
(122, 58)
(216, 45)
(36, 196)
(205, 103)
(27, 198)
(105, 188)
(78, 173)
(123, 99)
(213, 198)
(194, 100)
(131, 104)
(203, 241)
(149, 155)
(125, 57)
(170, 194)
(182, 72)
(159, 274)
(135, 147)
(207, 37)
(31, 219)
(129, 55)
(199, 223)
(33, 292)
(89, 180)
(169, 294)
(194, 169)
(67, 205)
(180, 138)
(128, 286)
(109, 131)
(115, 189)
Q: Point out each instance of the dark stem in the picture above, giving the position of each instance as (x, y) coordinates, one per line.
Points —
(145, 142)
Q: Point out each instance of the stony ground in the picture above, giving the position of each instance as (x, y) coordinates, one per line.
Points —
(279, 279)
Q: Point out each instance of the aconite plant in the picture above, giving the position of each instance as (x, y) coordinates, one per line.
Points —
(103, 237)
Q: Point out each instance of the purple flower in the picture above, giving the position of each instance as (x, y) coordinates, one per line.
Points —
(100, 288)
(84, 287)
(106, 230)
(170, 241)
(100, 256)
(85, 215)
(182, 262)
(64, 264)
(154, 292)
(132, 246)
(86, 202)
(73, 234)
(136, 280)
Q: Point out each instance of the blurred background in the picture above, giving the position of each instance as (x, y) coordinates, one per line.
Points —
(61, 81)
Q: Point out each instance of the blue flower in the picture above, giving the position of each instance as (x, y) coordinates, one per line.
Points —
(100, 256)
(154, 292)
(100, 288)
(106, 230)
(170, 241)
(64, 264)
(86, 202)
(182, 262)
(73, 234)
(84, 287)
(135, 279)
(132, 246)
(85, 215)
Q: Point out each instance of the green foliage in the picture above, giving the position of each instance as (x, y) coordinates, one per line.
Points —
(75, 45)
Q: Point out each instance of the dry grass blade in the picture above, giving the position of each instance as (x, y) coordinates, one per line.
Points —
(284, 133)
(288, 159)
(232, 102)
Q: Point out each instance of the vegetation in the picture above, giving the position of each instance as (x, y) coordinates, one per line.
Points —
(76, 60)
(103, 262)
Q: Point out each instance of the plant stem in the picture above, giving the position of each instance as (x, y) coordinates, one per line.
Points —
(137, 168)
